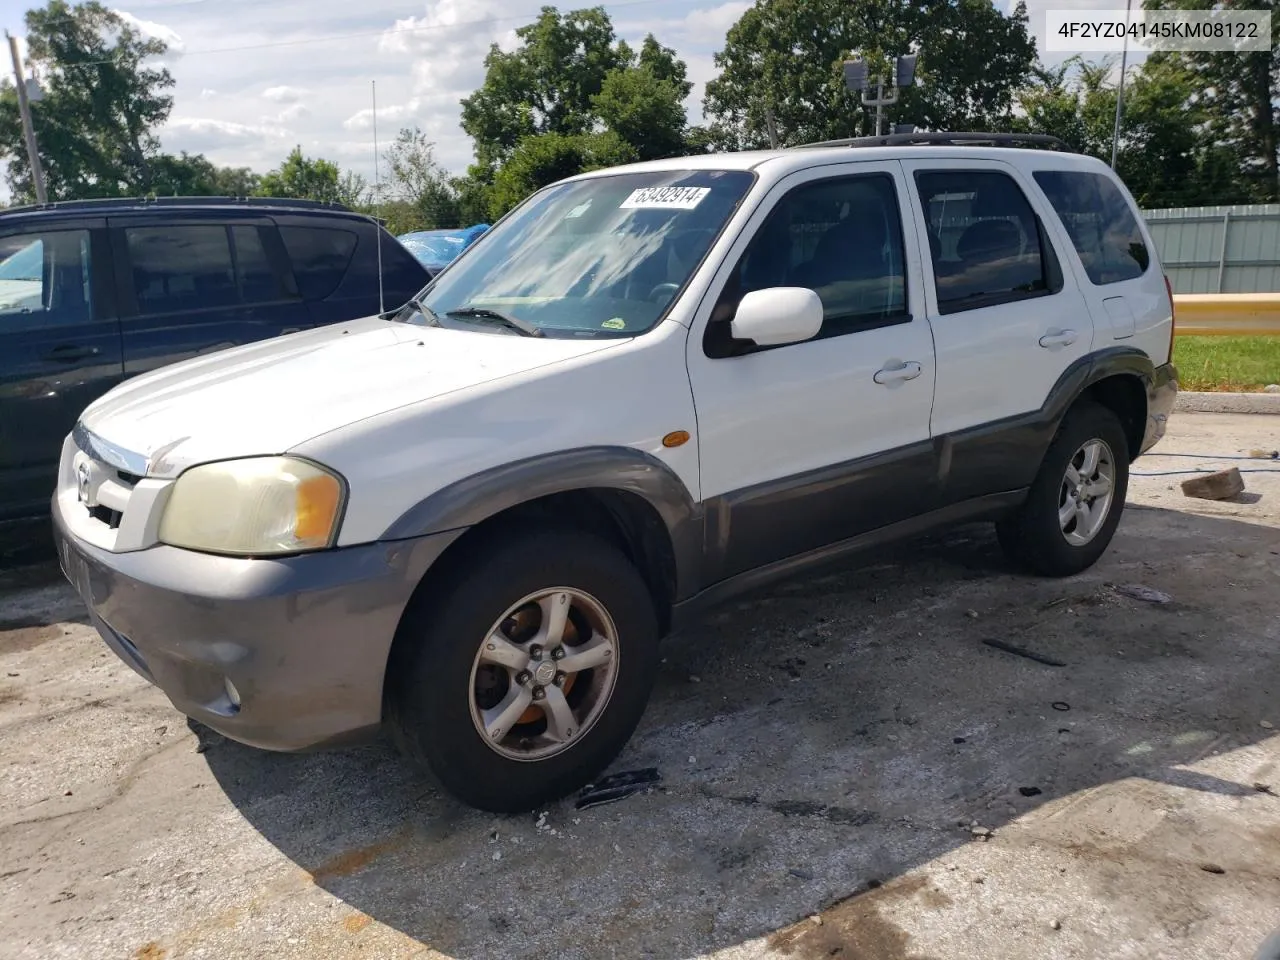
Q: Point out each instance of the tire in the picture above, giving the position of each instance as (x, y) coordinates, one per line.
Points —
(1035, 536)
(443, 686)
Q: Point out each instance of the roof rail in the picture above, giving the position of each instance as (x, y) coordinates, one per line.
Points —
(947, 140)
(143, 202)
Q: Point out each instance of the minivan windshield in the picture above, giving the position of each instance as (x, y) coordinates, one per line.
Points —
(601, 257)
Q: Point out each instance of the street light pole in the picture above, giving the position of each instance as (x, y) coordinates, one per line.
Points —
(1124, 62)
(28, 131)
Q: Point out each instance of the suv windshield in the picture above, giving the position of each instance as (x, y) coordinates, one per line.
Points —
(601, 257)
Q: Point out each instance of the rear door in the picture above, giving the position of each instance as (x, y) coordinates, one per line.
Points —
(1007, 320)
(59, 349)
(194, 286)
(1113, 259)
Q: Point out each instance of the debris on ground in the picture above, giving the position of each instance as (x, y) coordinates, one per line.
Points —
(1137, 591)
(971, 614)
(1023, 652)
(980, 832)
(1212, 868)
(616, 787)
(1215, 486)
(1030, 791)
(1266, 725)
(1055, 924)
(1061, 706)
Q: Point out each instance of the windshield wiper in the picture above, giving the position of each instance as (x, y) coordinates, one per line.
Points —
(427, 313)
(523, 327)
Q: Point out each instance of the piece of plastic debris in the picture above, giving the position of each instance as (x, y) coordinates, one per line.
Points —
(980, 831)
(971, 614)
(1030, 791)
(1212, 868)
(497, 855)
(1266, 725)
(1061, 706)
(617, 787)
(1137, 591)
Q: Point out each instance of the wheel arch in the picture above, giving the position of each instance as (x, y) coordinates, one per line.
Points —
(1118, 378)
(628, 497)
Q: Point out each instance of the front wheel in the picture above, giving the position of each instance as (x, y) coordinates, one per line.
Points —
(1075, 502)
(530, 671)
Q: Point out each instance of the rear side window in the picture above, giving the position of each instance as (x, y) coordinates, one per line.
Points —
(986, 243)
(320, 258)
(178, 268)
(258, 283)
(1100, 222)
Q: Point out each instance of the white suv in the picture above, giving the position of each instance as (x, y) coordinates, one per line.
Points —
(646, 388)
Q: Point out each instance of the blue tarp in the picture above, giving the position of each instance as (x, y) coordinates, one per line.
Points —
(436, 249)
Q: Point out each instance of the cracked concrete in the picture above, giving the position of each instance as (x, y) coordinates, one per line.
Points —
(827, 748)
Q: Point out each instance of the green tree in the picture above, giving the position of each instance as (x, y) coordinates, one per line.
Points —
(542, 160)
(96, 122)
(420, 189)
(784, 57)
(193, 175)
(545, 85)
(313, 179)
(643, 102)
(1239, 94)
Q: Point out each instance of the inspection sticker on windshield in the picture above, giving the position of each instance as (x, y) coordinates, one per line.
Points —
(669, 198)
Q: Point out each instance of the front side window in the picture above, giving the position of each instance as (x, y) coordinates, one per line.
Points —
(1100, 222)
(179, 268)
(985, 240)
(600, 257)
(841, 238)
(44, 279)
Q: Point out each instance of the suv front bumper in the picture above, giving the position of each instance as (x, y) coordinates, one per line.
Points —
(300, 642)
(1162, 392)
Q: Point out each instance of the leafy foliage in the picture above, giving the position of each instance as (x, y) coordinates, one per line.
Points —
(305, 178)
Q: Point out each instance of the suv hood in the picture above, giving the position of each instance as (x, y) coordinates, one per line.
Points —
(268, 397)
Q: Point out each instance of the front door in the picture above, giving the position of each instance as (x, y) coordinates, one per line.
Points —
(808, 444)
(59, 351)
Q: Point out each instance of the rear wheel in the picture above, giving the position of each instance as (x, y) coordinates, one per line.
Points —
(1075, 502)
(530, 671)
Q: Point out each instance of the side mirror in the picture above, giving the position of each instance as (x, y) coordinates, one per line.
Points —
(778, 315)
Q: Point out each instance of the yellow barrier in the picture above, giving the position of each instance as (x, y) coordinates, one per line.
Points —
(1227, 314)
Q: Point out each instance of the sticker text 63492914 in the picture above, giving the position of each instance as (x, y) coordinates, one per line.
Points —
(670, 198)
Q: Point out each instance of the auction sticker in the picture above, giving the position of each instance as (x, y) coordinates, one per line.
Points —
(669, 198)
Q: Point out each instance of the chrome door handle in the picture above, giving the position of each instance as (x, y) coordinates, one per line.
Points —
(892, 376)
(1058, 338)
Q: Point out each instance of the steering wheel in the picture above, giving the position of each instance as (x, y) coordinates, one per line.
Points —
(663, 292)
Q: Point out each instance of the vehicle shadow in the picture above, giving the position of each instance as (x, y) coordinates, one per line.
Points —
(817, 741)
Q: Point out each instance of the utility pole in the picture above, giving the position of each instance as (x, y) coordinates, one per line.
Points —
(1124, 62)
(28, 131)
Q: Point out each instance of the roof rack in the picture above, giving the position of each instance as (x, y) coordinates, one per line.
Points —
(948, 140)
(136, 202)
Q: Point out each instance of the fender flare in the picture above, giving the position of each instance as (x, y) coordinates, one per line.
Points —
(474, 499)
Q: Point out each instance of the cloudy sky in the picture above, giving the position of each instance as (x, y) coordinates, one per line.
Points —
(256, 77)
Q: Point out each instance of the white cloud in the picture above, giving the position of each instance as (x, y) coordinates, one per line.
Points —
(716, 21)
(208, 93)
(156, 31)
(283, 94)
(363, 119)
(291, 113)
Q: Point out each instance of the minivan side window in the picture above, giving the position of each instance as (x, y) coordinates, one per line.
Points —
(320, 258)
(177, 268)
(1100, 222)
(841, 238)
(44, 280)
(986, 242)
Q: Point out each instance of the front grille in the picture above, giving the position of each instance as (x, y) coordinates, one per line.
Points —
(105, 515)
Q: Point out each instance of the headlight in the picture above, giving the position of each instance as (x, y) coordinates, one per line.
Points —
(262, 505)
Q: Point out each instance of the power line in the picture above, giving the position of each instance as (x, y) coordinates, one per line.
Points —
(426, 28)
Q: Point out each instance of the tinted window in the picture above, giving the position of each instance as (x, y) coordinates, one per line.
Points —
(320, 257)
(258, 283)
(44, 279)
(402, 274)
(178, 268)
(1100, 222)
(985, 240)
(841, 238)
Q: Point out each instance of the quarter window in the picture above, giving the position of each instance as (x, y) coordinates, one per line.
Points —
(841, 238)
(1100, 222)
(320, 258)
(44, 279)
(985, 241)
(178, 268)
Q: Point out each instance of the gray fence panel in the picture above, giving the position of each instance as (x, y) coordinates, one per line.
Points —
(1219, 249)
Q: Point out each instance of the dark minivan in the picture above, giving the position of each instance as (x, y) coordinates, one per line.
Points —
(93, 292)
